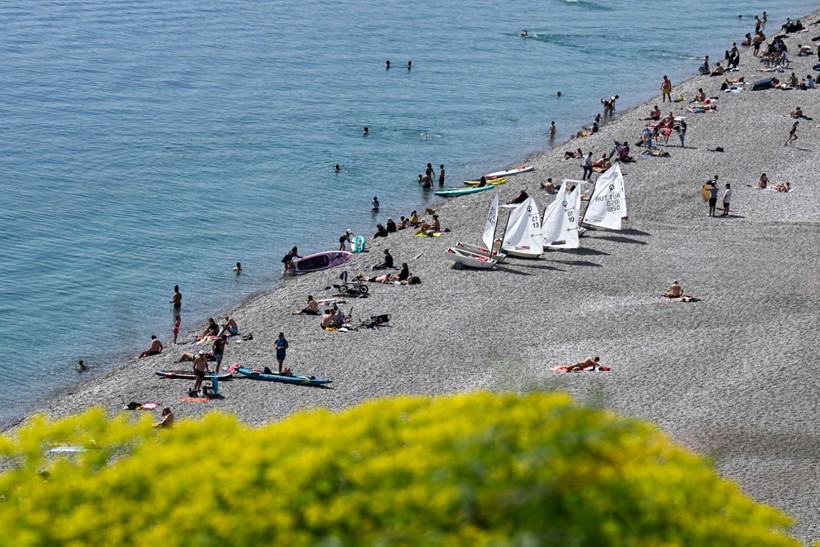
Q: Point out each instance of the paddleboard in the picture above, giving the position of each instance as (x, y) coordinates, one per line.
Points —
(256, 374)
(452, 192)
(320, 261)
(189, 374)
(510, 172)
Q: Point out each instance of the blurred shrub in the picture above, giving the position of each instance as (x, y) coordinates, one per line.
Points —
(472, 469)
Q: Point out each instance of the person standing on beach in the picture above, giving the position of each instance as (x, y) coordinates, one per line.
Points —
(552, 132)
(727, 199)
(587, 165)
(711, 186)
(666, 89)
(682, 133)
(792, 134)
(288, 260)
(441, 175)
(375, 204)
(176, 299)
(281, 345)
(218, 349)
(200, 369)
(175, 328)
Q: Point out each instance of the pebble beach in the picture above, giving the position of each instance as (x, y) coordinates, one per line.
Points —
(729, 376)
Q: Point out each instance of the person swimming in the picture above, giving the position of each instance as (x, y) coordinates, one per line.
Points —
(238, 268)
(524, 33)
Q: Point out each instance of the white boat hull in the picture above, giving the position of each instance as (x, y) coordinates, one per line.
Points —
(462, 258)
(482, 251)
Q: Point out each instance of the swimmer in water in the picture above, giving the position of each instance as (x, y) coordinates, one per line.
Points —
(338, 168)
(81, 367)
(409, 65)
(366, 131)
(387, 64)
(558, 94)
(238, 268)
(524, 33)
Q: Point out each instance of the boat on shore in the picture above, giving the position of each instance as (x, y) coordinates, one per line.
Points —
(522, 238)
(320, 261)
(461, 191)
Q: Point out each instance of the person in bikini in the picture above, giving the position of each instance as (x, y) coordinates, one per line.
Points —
(590, 363)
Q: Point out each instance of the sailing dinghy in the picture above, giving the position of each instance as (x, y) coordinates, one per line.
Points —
(559, 229)
(607, 205)
(474, 256)
(522, 238)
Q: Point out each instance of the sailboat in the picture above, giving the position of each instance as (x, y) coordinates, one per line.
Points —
(488, 237)
(559, 229)
(474, 256)
(607, 205)
(522, 238)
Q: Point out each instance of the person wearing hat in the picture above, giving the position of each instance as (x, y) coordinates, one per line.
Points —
(344, 238)
(200, 369)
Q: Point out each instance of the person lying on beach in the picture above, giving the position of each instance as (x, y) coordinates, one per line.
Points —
(568, 155)
(654, 114)
(212, 329)
(402, 276)
(520, 197)
(674, 291)
(312, 307)
(804, 50)
(785, 187)
(797, 113)
(166, 418)
(602, 164)
(656, 153)
(154, 349)
(763, 181)
(590, 363)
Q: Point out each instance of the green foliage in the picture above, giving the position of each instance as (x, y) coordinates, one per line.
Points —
(473, 469)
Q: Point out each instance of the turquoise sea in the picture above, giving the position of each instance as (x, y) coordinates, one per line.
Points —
(148, 143)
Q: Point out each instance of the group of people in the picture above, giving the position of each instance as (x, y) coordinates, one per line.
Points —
(763, 183)
(711, 188)
(426, 180)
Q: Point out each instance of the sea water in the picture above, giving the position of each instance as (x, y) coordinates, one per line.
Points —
(148, 143)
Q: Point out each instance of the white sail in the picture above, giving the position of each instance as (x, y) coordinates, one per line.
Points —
(607, 206)
(489, 227)
(551, 223)
(560, 226)
(523, 235)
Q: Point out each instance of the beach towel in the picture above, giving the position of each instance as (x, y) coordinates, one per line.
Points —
(194, 399)
(565, 368)
(133, 405)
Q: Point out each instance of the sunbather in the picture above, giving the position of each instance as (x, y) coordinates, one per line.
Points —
(154, 349)
(312, 307)
(785, 187)
(674, 291)
(763, 181)
(588, 363)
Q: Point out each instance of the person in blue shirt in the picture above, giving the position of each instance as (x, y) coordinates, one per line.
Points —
(281, 346)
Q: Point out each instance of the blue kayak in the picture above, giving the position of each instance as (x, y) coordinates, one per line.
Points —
(449, 192)
(256, 374)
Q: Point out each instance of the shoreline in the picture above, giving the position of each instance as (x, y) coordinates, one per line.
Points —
(610, 286)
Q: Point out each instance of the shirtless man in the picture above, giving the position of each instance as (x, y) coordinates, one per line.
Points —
(312, 307)
(176, 299)
(588, 363)
(166, 419)
(655, 114)
(154, 349)
(200, 368)
(674, 291)
(229, 327)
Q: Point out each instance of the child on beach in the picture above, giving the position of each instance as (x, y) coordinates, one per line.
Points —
(792, 134)
(175, 329)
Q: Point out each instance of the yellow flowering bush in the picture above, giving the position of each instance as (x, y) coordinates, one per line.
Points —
(473, 469)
